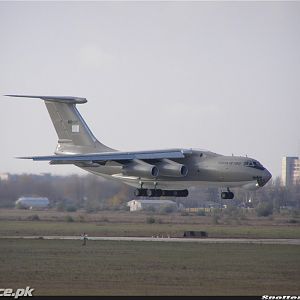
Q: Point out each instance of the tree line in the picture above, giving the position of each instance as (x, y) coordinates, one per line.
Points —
(93, 193)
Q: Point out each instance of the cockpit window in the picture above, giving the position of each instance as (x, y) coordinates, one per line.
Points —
(254, 164)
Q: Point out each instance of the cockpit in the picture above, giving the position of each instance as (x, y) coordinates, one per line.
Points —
(254, 164)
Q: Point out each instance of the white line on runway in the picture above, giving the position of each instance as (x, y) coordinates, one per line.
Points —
(159, 239)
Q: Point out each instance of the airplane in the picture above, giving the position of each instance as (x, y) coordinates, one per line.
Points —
(154, 173)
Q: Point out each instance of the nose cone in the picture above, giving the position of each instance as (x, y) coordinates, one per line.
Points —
(266, 177)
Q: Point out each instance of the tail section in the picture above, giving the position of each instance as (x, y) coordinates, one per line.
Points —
(74, 136)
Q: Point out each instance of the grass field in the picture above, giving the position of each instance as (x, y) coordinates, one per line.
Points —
(12, 228)
(120, 223)
(54, 267)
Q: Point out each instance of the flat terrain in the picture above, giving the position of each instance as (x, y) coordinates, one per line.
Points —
(118, 223)
(19, 228)
(66, 267)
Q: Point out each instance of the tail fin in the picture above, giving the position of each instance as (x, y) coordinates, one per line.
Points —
(74, 136)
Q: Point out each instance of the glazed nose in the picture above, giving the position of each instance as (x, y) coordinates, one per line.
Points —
(267, 176)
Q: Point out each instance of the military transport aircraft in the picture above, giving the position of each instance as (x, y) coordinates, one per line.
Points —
(154, 173)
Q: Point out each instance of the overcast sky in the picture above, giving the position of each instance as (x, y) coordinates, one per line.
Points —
(223, 76)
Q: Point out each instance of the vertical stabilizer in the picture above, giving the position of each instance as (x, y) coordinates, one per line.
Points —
(74, 136)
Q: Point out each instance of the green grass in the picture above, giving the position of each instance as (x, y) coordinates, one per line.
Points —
(55, 267)
(8, 228)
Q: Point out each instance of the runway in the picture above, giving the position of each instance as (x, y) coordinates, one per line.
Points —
(168, 239)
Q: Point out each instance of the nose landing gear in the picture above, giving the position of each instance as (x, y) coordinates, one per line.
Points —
(227, 195)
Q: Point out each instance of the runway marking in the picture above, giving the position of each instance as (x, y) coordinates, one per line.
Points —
(161, 239)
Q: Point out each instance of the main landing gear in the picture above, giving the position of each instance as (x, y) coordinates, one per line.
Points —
(227, 195)
(160, 193)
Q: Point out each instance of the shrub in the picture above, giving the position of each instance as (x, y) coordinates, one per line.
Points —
(69, 219)
(264, 209)
(81, 218)
(184, 213)
(71, 208)
(33, 218)
(216, 215)
(216, 218)
(292, 221)
(159, 221)
(200, 213)
(150, 220)
(61, 206)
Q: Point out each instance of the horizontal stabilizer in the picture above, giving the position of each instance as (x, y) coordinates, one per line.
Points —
(61, 99)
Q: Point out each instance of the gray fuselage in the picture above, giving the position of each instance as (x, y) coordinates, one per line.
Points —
(205, 168)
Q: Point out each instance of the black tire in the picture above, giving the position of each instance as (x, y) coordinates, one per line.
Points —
(224, 195)
(150, 193)
(137, 193)
(158, 193)
(184, 193)
(167, 193)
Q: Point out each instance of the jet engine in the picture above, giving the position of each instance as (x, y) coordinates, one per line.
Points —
(140, 169)
(171, 168)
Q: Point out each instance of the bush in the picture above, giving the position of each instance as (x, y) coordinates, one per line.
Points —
(150, 220)
(61, 206)
(264, 209)
(216, 219)
(81, 218)
(292, 221)
(216, 215)
(184, 213)
(33, 218)
(69, 219)
(71, 208)
(200, 213)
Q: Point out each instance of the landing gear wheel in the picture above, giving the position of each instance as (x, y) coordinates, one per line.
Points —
(140, 192)
(224, 195)
(158, 193)
(150, 193)
(227, 195)
(137, 192)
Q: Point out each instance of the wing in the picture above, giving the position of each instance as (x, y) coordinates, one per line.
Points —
(111, 156)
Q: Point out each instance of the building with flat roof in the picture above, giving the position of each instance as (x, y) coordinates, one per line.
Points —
(136, 205)
(290, 171)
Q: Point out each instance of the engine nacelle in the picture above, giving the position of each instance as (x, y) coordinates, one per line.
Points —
(140, 169)
(251, 186)
(171, 168)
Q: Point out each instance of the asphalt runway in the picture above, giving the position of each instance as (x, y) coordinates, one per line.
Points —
(168, 239)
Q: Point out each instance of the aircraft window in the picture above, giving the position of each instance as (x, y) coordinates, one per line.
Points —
(258, 164)
(253, 164)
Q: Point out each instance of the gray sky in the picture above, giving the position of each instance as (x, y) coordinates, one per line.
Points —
(223, 76)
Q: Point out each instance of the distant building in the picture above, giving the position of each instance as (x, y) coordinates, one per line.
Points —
(290, 173)
(32, 202)
(136, 205)
(4, 176)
